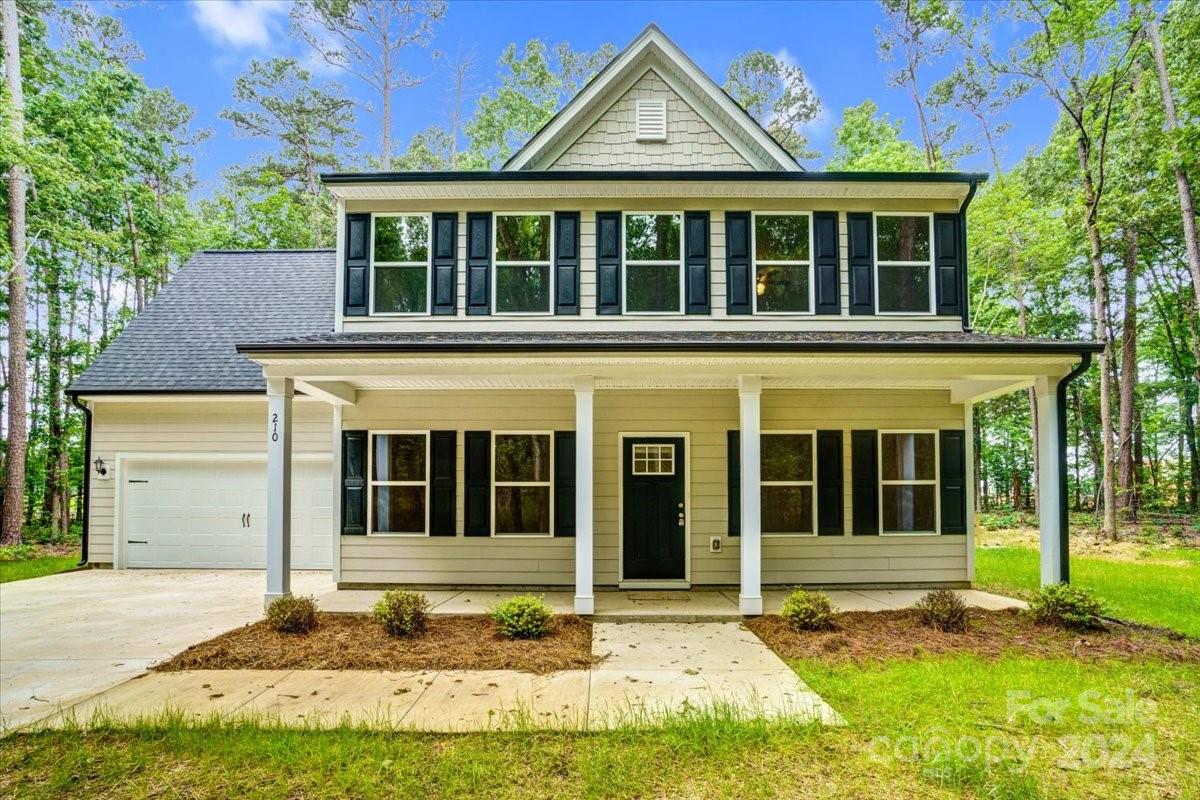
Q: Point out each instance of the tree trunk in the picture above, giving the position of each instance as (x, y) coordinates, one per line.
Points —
(1128, 385)
(18, 432)
(55, 443)
(1023, 322)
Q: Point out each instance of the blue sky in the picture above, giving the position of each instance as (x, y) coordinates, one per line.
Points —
(198, 47)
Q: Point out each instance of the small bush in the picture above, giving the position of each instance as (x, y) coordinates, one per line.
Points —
(19, 552)
(402, 613)
(943, 610)
(522, 617)
(1067, 606)
(289, 614)
(808, 611)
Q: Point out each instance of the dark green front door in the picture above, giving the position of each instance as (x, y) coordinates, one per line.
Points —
(654, 528)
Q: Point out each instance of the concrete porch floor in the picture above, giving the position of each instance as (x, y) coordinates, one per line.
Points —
(694, 605)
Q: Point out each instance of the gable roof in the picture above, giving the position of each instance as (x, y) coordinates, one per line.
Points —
(185, 340)
(653, 49)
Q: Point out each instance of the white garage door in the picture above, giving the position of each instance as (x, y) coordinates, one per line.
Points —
(210, 513)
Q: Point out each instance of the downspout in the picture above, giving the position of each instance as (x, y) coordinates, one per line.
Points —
(964, 292)
(1064, 520)
(87, 477)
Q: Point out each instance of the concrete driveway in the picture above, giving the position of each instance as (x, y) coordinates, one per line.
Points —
(67, 637)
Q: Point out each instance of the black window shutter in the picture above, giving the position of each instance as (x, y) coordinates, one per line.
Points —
(864, 482)
(477, 483)
(860, 238)
(952, 457)
(442, 446)
(830, 520)
(738, 280)
(357, 274)
(564, 483)
(566, 262)
(445, 264)
(479, 263)
(826, 284)
(354, 483)
(947, 265)
(733, 477)
(608, 262)
(697, 288)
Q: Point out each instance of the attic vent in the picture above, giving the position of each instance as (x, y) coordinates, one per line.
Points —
(651, 120)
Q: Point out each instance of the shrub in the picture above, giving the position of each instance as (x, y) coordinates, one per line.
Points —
(1067, 606)
(943, 610)
(808, 611)
(289, 614)
(522, 617)
(19, 552)
(402, 613)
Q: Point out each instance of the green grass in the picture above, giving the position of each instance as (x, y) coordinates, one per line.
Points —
(1161, 589)
(35, 567)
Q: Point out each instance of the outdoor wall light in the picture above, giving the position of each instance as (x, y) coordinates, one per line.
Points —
(101, 470)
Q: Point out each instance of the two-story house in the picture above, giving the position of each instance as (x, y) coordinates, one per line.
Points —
(651, 351)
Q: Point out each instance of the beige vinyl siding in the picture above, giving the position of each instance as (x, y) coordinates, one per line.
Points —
(185, 426)
(717, 320)
(705, 415)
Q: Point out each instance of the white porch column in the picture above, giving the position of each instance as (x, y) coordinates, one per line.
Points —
(279, 487)
(749, 396)
(1049, 475)
(969, 485)
(585, 601)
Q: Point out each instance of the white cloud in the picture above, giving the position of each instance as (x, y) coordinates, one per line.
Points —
(240, 23)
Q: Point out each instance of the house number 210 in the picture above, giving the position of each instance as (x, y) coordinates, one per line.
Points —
(274, 427)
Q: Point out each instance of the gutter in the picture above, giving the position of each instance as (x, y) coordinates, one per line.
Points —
(963, 289)
(1064, 517)
(87, 476)
(594, 176)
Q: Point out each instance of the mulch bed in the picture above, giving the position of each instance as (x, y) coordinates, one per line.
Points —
(879, 635)
(345, 641)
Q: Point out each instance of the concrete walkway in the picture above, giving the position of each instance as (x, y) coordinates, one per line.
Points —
(649, 672)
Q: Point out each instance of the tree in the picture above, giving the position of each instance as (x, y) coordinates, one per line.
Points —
(367, 39)
(864, 142)
(975, 90)
(775, 92)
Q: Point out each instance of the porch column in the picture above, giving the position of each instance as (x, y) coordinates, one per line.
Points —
(279, 487)
(1049, 475)
(749, 396)
(585, 601)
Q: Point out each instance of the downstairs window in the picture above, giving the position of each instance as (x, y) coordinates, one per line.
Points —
(788, 497)
(908, 471)
(400, 483)
(521, 470)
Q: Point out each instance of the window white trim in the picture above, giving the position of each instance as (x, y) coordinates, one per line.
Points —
(626, 262)
(549, 484)
(549, 263)
(372, 483)
(812, 435)
(881, 264)
(404, 264)
(935, 482)
(754, 262)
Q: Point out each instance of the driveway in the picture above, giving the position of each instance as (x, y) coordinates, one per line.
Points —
(67, 637)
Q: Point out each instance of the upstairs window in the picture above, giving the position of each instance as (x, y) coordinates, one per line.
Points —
(653, 264)
(523, 263)
(400, 255)
(908, 481)
(904, 263)
(782, 263)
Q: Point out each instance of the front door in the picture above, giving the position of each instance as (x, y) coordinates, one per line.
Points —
(654, 527)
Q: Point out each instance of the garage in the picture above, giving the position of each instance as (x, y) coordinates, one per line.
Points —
(211, 513)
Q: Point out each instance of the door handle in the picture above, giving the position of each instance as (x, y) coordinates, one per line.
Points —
(245, 521)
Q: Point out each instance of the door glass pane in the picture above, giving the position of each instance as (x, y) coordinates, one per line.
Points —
(652, 237)
(904, 288)
(398, 509)
(781, 237)
(522, 509)
(399, 457)
(400, 290)
(909, 508)
(522, 458)
(902, 238)
(401, 239)
(781, 287)
(522, 238)
(787, 509)
(525, 288)
(908, 457)
(786, 457)
(652, 288)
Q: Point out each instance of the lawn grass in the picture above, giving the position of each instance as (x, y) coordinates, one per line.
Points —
(1162, 588)
(36, 567)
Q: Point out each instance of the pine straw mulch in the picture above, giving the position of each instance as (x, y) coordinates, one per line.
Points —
(880, 635)
(355, 641)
